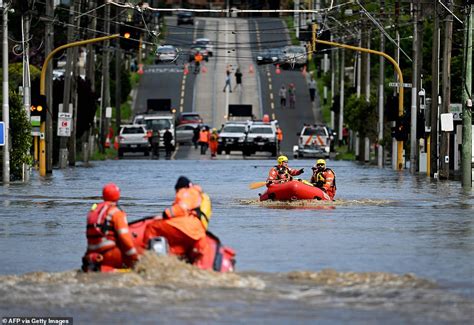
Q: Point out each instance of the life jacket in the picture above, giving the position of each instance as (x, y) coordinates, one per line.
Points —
(100, 234)
(204, 211)
(204, 136)
(283, 172)
(321, 179)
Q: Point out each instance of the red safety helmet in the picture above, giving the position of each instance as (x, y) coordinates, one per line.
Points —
(111, 192)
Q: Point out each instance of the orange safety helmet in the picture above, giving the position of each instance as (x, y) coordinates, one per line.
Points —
(111, 192)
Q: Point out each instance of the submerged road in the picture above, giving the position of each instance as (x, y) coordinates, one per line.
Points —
(394, 248)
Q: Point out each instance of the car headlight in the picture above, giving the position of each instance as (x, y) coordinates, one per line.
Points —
(220, 139)
(241, 139)
(259, 58)
(272, 139)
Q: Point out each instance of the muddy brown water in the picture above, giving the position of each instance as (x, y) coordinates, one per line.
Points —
(393, 248)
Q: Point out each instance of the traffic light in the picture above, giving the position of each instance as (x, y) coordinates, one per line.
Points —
(38, 107)
(400, 130)
(129, 37)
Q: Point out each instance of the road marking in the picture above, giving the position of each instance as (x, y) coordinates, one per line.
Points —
(272, 105)
(271, 96)
(163, 70)
(273, 116)
(270, 87)
(182, 94)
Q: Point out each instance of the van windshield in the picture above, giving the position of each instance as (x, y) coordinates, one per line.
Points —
(158, 124)
(314, 131)
(234, 129)
(261, 130)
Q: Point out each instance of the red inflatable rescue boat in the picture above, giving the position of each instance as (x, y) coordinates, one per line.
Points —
(217, 257)
(293, 190)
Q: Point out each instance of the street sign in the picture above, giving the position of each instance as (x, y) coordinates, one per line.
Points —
(64, 124)
(397, 84)
(2, 133)
(456, 109)
(35, 125)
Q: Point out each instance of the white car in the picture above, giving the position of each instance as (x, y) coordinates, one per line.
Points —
(166, 53)
(294, 55)
(314, 141)
(232, 137)
(205, 43)
(133, 138)
(261, 136)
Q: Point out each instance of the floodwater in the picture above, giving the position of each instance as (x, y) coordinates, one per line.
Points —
(393, 248)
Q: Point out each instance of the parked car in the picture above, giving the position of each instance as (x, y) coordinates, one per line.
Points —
(274, 55)
(184, 118)
(185, 17)
(294, 55)
(166, 53)
(185, 132)
(314, 141)
(197, 48)
(232, 136)
(206, 44)
(262, 136)
(133, 138)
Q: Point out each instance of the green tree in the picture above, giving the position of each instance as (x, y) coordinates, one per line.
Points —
(361, 116)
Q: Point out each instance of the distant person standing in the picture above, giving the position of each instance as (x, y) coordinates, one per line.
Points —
(312, 88)
(196, 136)
(227, 80)
(213, 142)
(282, 94)
(292, 95)
(204, 139)
(167, 138)
(238, 79)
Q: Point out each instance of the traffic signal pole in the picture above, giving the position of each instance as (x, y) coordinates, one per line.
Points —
(43, 140)
(400, 80)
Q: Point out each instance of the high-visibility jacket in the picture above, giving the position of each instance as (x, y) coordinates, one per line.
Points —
(279, 135)
(280, 174)
(204, 136)
(326, 180)
(108, 234)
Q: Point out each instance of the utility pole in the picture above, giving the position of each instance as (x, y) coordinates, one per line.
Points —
(364, 80)
(63, 151)
(381, 96)
(105, 94)
(433, 138)
(118, 84)
(414, 89)
(448, 39)
(48, 47)
(396, 89)
(341, 94)
(467, 102)
(5, 90)
(74, 96)
(332, 67)
(87, 140)
(25, 25)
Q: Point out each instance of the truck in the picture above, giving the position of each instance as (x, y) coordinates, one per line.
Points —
(159, 116)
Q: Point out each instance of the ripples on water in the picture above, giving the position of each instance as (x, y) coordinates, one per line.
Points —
(392, 248)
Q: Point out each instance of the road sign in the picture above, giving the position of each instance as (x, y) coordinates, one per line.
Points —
(35, 125)
(64, 124)
(2, 133)
(397, 84)
(456, 109)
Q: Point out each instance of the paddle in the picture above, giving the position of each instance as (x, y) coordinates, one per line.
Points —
(255, 185)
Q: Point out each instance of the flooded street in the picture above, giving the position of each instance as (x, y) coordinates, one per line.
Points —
(393, 248)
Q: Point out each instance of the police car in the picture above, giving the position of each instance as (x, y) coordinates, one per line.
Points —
(314, 141)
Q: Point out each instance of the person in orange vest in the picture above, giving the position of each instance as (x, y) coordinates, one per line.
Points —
(197, 61)
(180, 224)
(279, 136)
(282, 173)
(109, 242)
(204, 139)
(324, 178)
(213, 142)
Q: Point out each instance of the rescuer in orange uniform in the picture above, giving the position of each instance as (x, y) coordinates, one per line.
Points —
(282, 173)
(109, 242)
(181, 225)
(324, 178)
(204, 139)
(213, 142)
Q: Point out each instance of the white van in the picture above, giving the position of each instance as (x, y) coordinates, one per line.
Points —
(158, 122)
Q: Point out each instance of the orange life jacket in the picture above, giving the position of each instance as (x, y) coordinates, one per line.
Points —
(204, 136)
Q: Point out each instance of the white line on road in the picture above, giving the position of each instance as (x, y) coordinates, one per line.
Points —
(273, 116)
(271, 96)
(272, 105)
